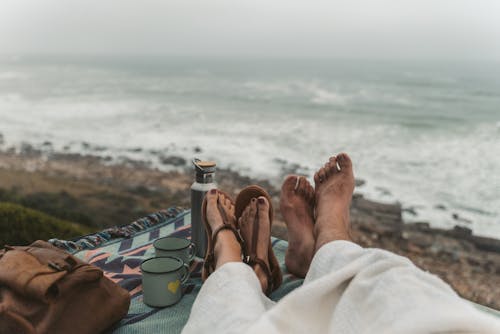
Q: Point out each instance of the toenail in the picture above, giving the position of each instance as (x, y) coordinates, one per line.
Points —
(262, 201)
(297, 183)
(213, 191)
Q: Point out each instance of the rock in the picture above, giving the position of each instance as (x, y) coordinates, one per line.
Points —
(197, 149)
(461, 232)
(357, 195)
(422, 240)
(487, 244)
(461, 219)
(133, 163)
(99, 148)
(440, 207)
(135, 149)
(383, 191)
(29, 150)
(85, 145)
(417, 226)
(435, 249)
(366, 205)
(290, 167)
(173, 160)
(411, 210)
(359, 182)
(66, 157)
(1, 139)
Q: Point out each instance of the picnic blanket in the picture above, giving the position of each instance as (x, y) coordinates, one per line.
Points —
(120, 251)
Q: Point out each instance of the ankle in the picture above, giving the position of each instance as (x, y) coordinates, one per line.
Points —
(329, 236)
(338, 224)
(227, 248)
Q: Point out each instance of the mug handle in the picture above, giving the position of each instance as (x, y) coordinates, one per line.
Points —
(192, 251)
(185, 276)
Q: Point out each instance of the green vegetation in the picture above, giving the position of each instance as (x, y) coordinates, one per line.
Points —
(97, 208)
(60, 204)
(20, 225)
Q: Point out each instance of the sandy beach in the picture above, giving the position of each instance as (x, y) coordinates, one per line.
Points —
(96, 193)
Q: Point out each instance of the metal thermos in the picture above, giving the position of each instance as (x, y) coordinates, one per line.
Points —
(204, 181)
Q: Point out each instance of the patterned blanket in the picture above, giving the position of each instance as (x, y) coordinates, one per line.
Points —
(120, 254)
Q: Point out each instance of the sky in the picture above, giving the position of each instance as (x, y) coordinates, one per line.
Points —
(449, 29)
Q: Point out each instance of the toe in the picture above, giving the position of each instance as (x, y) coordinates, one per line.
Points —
(332, 165)
(212, 197)
(328, 169)
(316, 178)
(301, 186)
(289, 184)
(263, 206)
(322, 175)
(227, 203)
(253, 208)
(344, 161)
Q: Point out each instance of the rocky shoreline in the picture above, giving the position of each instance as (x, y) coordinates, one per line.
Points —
(109, 192)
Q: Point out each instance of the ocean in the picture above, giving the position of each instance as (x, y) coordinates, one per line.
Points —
(424, 133)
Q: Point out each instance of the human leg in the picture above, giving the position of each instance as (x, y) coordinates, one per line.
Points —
(231, 298)
(349, 289)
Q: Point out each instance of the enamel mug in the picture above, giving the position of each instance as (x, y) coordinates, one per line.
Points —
(177, 247)
(162, 279)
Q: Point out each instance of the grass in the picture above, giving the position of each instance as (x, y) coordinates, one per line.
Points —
(20, 225)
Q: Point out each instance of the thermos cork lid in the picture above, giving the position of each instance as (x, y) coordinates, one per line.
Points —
(204, 166)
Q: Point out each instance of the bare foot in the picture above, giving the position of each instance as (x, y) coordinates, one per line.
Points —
(297, 208)
(227, 248)
(247, 221)
(334, 187)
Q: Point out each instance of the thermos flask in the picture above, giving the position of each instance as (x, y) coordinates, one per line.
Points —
(204, 181)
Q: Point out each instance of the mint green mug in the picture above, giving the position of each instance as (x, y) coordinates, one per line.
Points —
(162, 279)
(177, 247)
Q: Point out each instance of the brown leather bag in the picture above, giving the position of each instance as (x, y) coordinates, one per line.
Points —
(46, 290)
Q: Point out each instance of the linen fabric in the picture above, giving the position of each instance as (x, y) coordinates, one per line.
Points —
(348, 289)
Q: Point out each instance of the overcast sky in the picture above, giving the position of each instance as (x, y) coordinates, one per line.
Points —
(291, 28)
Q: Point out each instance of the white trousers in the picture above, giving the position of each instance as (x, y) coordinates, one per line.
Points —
(348, 289)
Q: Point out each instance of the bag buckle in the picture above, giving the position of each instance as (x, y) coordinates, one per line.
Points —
(55, 266)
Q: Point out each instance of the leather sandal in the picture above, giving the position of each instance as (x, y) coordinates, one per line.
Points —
(209, 263)
(272, 271)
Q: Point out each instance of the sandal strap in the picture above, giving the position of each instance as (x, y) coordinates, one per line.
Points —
(210, 259)
(226, 227)
(253, 260)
